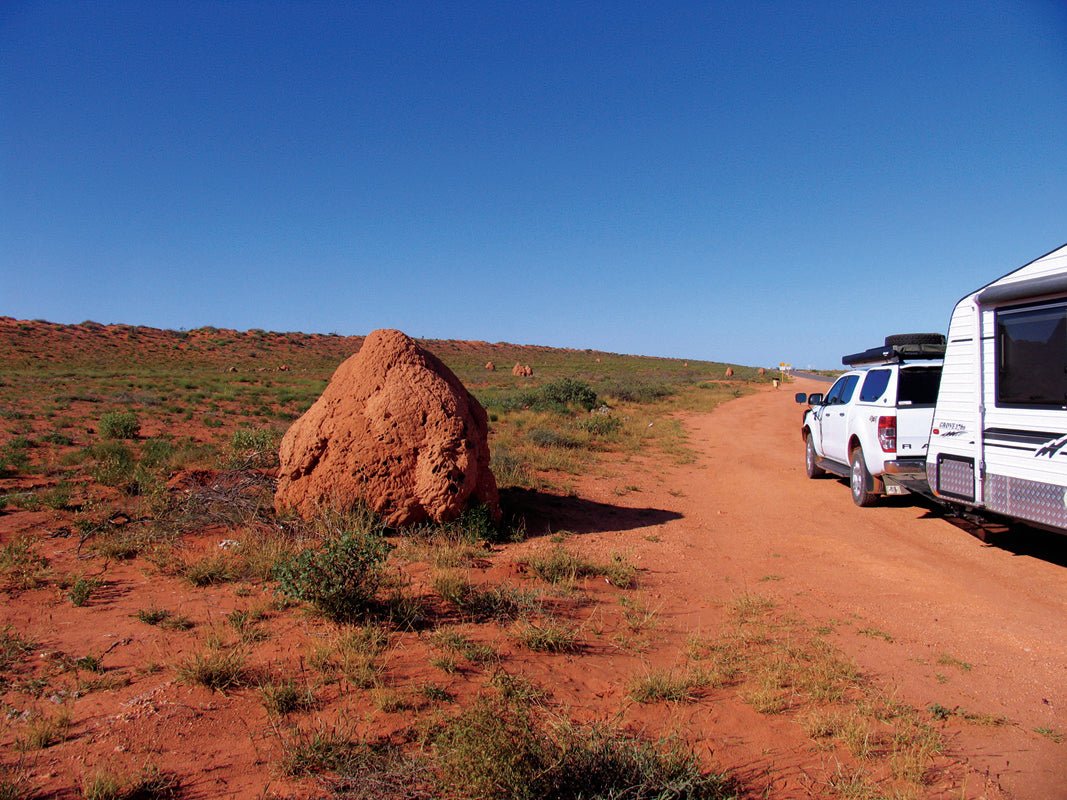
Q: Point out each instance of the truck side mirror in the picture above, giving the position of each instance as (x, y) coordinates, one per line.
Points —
(800, 397)
(815, 399)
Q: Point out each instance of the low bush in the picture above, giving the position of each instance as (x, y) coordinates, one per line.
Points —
(82, 590)
(254, 448)
(157, 453)
(559, 565)
(285, 696)
(14, 456)
(568, 392)
(639, 392)
(21, 566)
(508, 469)
(216, 668)
(341, 579)
(114, 464)
(600, 425)
(496, 749)
(545, 437)
(119, 425)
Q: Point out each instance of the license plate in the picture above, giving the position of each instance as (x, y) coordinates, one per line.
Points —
(893, 489)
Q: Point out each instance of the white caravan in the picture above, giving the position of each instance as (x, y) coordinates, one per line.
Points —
(999, 437)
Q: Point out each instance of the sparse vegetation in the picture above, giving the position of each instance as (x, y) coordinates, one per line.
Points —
(150, 784)
(119, 425)
(45, 731)
(549, 636)
(340, 579)
(496, 749)
(216, 667)
(281, 697)
(193, 508)
(666, 685)
(82, 590)
(21, 566)
(560, 566)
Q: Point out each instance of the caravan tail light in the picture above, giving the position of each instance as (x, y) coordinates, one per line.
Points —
(887, 434)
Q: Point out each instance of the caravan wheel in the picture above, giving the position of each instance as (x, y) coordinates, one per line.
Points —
(860, 480)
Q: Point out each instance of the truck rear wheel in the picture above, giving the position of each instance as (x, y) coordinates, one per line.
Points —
(811, 465)
(860, 481)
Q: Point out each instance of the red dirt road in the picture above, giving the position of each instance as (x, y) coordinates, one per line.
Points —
(927, 611)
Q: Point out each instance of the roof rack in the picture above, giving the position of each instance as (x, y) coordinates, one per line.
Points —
(895, 354)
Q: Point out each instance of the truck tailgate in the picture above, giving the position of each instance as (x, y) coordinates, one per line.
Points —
(913, 430)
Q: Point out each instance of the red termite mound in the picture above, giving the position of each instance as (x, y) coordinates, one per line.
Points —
(395, 429)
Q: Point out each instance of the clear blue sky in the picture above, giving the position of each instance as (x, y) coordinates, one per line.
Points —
(740, 181)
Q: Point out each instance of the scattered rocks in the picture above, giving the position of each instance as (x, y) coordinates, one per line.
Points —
(489, 365)
(761, 371)
(729, 372)
(522, 370)
(394, 429)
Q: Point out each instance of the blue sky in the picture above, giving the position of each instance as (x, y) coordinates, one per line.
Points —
(751, 182)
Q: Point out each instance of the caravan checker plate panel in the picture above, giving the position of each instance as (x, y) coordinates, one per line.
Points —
(1043, 503)
(955, 476)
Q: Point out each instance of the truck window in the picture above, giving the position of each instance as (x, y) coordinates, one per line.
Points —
(834, 395)
(842, 391)
(1031, 356)
(874, 385)
(917, 386)
(848, 387)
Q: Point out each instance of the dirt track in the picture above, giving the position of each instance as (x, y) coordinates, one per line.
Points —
(909, 594)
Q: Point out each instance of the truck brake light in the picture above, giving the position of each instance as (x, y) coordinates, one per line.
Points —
(887, 434)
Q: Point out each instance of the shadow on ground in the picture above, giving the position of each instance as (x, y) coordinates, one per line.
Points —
(1014, 537)
(546, 513)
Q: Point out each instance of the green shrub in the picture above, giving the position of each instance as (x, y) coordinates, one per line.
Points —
(115, 464)
(508, 469)
(475, 524)
(491, 750)
(82, 590)
(640, 392)
(545, 437)
(284, 697)
(14, 457)
(341, 579)
(496, 749)
(209, 570)
(569, 392)
(216, 668)
(21, 566)
(119, 425)
(157, 453)
(600, 424)
(254, 447)
(559, 565)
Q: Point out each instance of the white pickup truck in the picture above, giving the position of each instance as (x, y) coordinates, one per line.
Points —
(873, 426)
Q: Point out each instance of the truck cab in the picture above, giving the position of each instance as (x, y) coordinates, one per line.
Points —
(873, 425)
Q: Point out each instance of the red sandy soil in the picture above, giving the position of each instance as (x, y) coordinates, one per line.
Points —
(904, 592)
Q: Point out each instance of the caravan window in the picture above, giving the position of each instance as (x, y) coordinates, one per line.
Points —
(1032, 356)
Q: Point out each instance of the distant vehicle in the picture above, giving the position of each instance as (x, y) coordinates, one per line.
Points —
(992, 397)
(873, 425)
